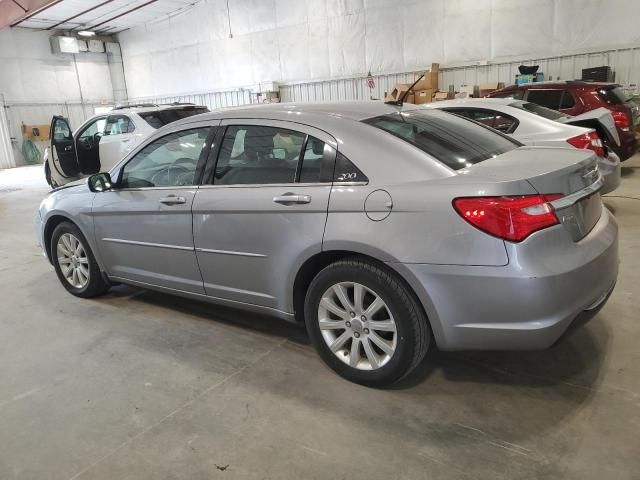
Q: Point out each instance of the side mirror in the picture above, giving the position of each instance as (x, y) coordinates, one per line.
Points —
(100, 182)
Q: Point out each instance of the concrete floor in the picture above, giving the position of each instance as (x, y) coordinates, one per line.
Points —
(139, 385)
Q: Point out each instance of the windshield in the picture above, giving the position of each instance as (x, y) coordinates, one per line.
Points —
(540, 110)
(160, 118)
(453, 140)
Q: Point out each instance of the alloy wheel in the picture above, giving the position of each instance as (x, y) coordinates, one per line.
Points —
(357, 325)
(73, 260)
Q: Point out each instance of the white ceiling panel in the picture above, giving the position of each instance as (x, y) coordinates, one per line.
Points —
(104, 16)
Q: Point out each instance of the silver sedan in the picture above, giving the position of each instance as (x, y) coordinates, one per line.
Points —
(381, 228)
(534, 124)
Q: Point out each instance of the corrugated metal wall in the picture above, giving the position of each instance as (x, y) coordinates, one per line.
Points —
(625, 62)
(213, 100)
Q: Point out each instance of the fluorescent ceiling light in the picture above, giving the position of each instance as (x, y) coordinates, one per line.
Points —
(86, 33)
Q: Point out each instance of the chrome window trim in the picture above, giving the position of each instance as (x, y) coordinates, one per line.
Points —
(262, 185)
(148, 244)
(143, 189)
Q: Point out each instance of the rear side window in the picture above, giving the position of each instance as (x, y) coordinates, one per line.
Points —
(118, 124)
(539, 110)
(454, 141)
(252, 154)
(612, 95)
(491, 118)
(161, 118)
(546, 98)
(567, 100)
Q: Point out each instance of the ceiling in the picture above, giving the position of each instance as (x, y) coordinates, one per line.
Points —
(102, 16)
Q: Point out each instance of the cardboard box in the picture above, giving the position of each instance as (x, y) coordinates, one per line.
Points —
(430, 79)
(36, 132)
(424, 96)
(487, 88)
(440, 96)
(396, 93)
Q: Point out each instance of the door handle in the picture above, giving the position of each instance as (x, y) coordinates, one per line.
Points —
(125, 140)
(68, 148)
(173, 200)
(292, 199)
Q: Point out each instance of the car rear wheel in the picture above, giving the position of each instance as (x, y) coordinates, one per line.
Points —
(75, 264)
(365, 323)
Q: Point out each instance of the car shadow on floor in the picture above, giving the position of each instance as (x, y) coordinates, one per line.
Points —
(627, 171)
(575, 359)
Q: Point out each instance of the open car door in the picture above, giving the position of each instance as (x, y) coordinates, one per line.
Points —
(63, 148)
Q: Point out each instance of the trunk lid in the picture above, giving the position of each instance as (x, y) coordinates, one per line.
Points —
(549, 170)
(600, 120)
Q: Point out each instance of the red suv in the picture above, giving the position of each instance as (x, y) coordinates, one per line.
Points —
(576, 97)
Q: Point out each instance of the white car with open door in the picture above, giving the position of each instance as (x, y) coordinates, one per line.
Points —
(103, 140)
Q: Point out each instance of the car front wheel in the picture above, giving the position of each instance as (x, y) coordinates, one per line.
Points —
(365, 322)
(74, 262)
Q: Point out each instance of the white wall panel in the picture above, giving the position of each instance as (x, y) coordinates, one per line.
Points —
(308, 40)
(36, 84)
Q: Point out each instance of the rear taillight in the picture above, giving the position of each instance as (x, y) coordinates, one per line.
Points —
(509, 218)
(621, 120)
(589, 140)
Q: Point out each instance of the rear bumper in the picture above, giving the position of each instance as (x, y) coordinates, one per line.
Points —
(610, 170)
(527, 304)
(629, 143)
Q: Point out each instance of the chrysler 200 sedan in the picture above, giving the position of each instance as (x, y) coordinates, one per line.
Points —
(382, 228)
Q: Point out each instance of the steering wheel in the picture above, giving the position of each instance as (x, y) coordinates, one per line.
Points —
(169, 175)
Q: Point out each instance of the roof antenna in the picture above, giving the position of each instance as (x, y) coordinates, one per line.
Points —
(403, 96)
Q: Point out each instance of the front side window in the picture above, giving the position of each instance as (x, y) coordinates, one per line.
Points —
(168, 161)
(118, 124)
(252, 154)
(452, 140)
(97, 127)
(546, 98)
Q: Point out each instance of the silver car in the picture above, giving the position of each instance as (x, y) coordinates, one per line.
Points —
(382, 228)
(534, 124)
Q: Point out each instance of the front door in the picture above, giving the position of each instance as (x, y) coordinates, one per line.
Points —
(143, 226)
(263, 211)
(63, 148)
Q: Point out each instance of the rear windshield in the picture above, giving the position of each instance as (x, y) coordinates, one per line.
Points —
(161, 118)
(539, 110)
(455, 141)
(612, 96)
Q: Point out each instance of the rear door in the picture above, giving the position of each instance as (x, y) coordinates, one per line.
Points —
(264, 209)
(117, 140)
(63, 150)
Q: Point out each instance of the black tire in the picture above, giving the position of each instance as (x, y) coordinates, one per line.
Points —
(47, 175)
(412, 327)
(96, 284)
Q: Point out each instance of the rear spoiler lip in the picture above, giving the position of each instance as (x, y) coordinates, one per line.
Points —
(575, 197)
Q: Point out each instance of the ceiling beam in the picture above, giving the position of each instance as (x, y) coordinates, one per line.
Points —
(32, 12)
(79, 14)
(93, 27)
